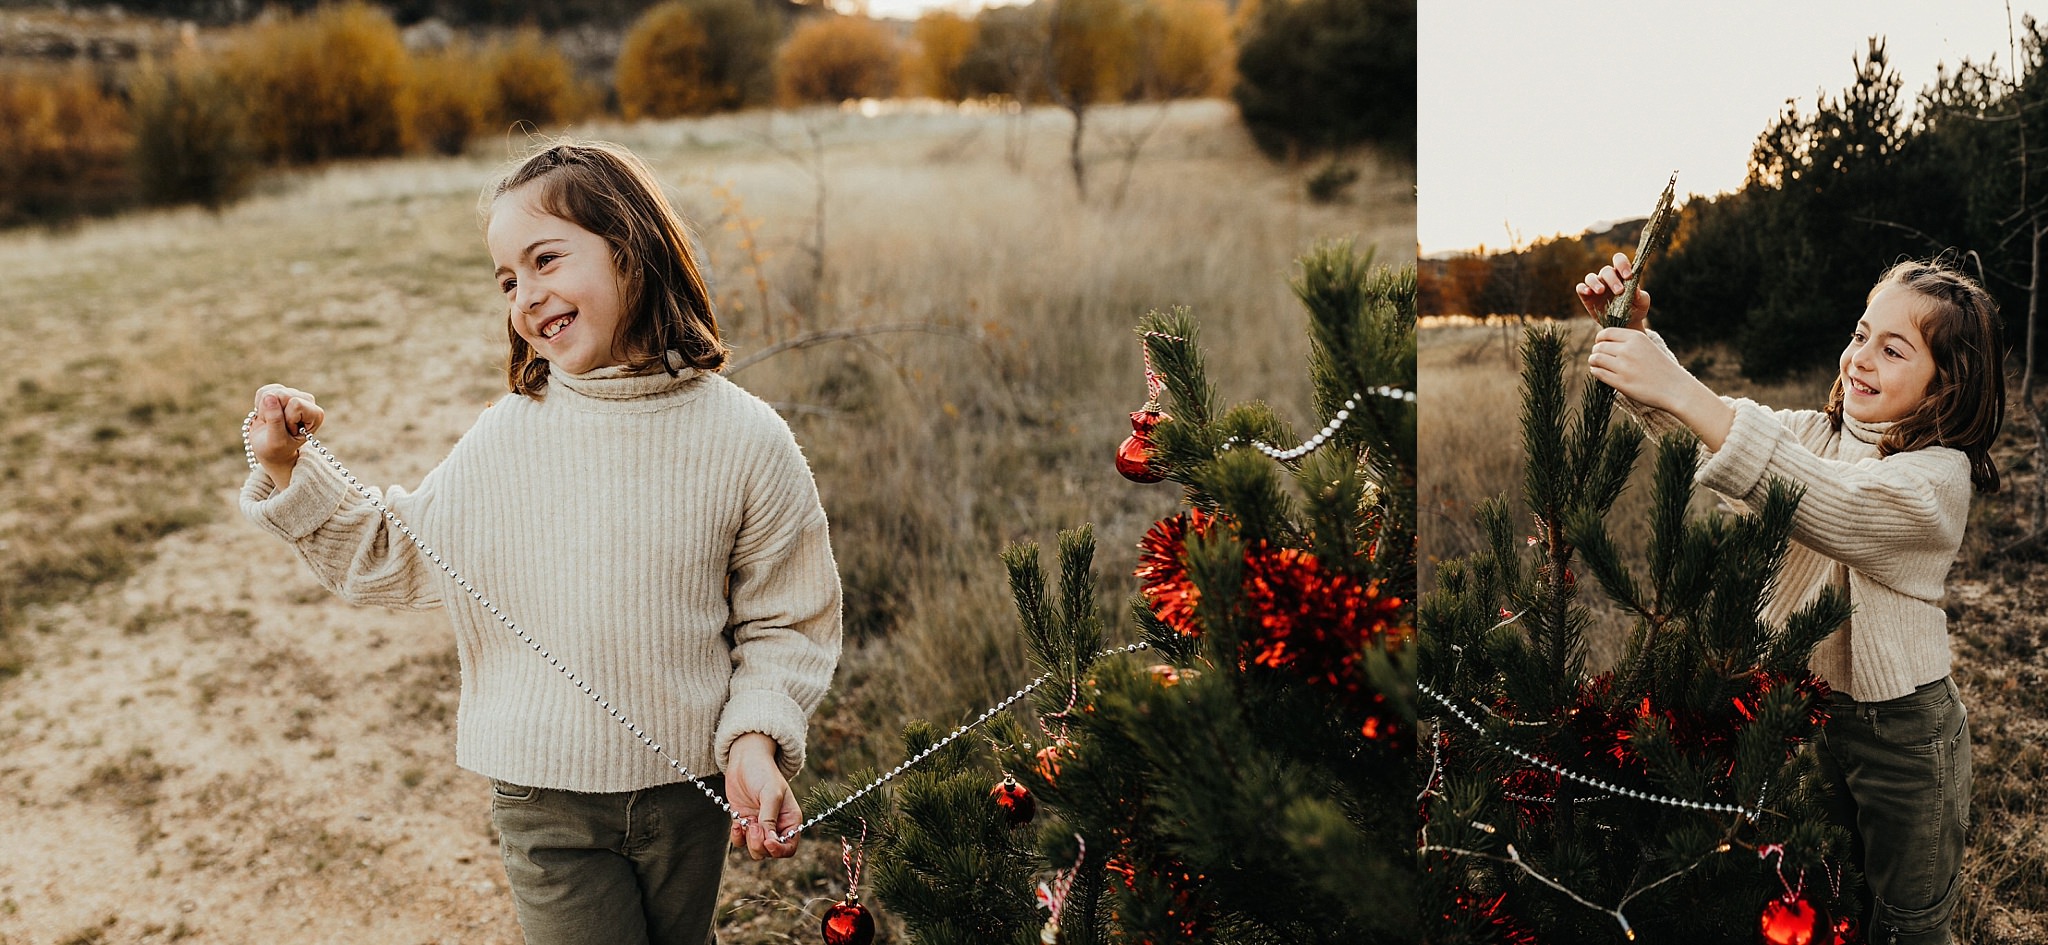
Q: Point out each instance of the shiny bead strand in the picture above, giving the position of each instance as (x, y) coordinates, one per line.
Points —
(1596, 783)
(1329, 429)
(249, 452)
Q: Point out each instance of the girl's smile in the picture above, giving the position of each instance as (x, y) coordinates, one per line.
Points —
(565, 294)
(1886, 367)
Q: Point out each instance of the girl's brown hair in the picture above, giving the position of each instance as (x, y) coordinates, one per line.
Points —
(607, 190)
(1965, 402)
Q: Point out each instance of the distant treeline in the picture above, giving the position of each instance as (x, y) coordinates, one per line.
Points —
(194, 120)
(553, 15)
(1780, 268)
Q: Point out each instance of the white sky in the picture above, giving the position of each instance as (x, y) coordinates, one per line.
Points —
(1551, 117)
(912, 9)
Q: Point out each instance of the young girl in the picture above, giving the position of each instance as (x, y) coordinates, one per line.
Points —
(1888, 469)
(653, 526)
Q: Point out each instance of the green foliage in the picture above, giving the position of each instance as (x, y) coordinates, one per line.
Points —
(1832, 198)
(1321, 74)
(1710, 701)
(1244, 792)
(938, 849)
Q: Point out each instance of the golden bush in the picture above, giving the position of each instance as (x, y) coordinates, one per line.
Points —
(449, 99)
(1184, 49)
(662, 68)
(331, 83)
(944, 39)
(64, 142)
(533, 82)
(191, 141)
(835, 58)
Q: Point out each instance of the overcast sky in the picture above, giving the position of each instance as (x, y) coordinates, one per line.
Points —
(1550, 117)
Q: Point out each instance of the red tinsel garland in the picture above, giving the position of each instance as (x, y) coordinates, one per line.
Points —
(1314, 623)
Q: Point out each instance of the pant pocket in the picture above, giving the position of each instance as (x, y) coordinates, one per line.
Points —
(505, 792)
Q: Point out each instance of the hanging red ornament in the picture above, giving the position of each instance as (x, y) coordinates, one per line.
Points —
(848, 923)
(1794, 920)
(1015, 800)
(1134, 457)
(1846, 932)
(1048, 766)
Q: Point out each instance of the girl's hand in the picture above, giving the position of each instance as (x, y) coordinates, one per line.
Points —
(1634, 364)
(284, 418)
(1599, 288)
(755, 788)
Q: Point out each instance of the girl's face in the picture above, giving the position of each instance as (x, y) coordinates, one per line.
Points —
(566, 297)
(1886, 368)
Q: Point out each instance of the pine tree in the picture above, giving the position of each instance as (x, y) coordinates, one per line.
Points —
(1249, 777)
(1687, 796)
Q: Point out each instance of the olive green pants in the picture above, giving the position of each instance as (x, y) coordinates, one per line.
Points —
(1899, 771)
(636, 868)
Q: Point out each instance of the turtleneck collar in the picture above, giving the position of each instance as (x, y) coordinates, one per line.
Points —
(619, 388)
(1871, 433)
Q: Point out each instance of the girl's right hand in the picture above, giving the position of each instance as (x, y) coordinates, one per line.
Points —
(284, 418)
(1601, 287)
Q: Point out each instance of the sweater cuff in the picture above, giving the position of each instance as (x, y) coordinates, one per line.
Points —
(1738, 466)
(298, 509)
(770, 713)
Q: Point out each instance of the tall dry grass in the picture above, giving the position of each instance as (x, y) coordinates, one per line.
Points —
(368, 284)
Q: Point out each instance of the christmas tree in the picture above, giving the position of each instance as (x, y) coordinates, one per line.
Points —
(1246, 771)
(1668, 796)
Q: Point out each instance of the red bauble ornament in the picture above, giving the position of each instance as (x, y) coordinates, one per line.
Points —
(1793, 920)
(1134, 457)
(848, 923)
(1016, 801)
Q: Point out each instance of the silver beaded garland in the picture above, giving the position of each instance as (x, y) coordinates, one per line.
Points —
(249, 453)
(1596, 783)
(1329, 430)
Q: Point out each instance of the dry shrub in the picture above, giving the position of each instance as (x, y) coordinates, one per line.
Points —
(451, 99)
(944, 39)
(191, 143)
(64, 144)
(1184, 49)
(691, 58)
(662, 68)
(532, 81)
(836, 58)
(328, 84)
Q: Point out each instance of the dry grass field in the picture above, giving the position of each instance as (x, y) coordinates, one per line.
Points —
(198, 744)
(1470, 438)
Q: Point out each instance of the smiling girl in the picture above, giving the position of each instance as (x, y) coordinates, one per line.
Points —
(1888, 468)
(655, 526)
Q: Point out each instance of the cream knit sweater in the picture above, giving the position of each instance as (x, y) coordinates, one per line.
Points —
(1887, 527)
(604, 519)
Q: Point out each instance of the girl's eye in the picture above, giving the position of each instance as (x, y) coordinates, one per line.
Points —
(1894, 352)
(543, 259)
(508, 285)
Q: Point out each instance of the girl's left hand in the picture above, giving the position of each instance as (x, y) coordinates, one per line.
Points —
(1631, 362)
(757, 791)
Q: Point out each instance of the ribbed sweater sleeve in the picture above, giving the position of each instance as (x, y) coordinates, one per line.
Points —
(1878, 516)
(785, 602)
(351, 547)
